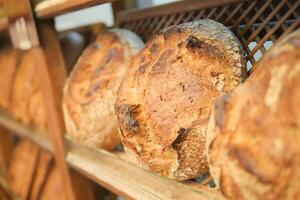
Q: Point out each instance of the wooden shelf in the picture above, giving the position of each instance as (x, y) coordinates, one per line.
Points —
(25, 132)
(46, 9)
(170, 9)
(113, 172)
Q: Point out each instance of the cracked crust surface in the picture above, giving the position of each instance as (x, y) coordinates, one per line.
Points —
(164, 102)
(254, 132)
(90, 91)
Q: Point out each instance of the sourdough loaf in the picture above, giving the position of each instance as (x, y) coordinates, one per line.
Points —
(164, 102)
(254, 132)
(90, 91)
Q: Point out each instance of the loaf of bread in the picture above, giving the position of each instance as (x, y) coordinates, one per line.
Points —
(27, 102)
(53, 188)
(254, 132)
(90, 91)
(164, 102)
(22, 168)
(8, 65)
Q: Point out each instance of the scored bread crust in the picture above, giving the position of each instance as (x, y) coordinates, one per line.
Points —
(164, 102)
(90, 91)
(254, 132)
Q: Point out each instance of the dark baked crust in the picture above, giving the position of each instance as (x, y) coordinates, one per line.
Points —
(90, 91)
(254, 132)
(164, 102)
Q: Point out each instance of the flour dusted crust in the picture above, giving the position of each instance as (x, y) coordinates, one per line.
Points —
(254, 132)
(90, 91)
(164, 102)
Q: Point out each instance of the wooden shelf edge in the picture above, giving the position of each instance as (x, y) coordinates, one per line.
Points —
(23, 131)
(170, 8)
(47, 9)
(113, 172)
(130, 181)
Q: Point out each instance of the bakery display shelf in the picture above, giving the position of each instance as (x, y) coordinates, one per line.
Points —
(50, 8)
(23, 131)
(257, 24)
(113, 172)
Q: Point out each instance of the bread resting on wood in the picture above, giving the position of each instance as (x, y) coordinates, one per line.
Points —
(254, 132)
(164, 102)
(8, 66)
(90, 91)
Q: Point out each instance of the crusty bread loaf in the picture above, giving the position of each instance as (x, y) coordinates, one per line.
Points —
(8, 65)
(22, 168)
(27, 102)
(54, 188)
(164, 102)
(90, 91)
(254, 132)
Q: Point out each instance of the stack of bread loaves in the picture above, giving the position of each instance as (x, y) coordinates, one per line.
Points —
(164, 103)
(90, 91)
(254, 132)
(32, 172)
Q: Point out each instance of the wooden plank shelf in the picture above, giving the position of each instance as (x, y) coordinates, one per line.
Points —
(113, 172)
(170, 8)
(23, 131)
(49, 8)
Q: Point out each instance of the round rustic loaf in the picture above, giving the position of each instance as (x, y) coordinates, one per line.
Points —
(254, 132)
(90, 91)
(164, 102)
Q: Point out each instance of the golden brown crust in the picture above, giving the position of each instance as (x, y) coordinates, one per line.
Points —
(90, 91)
(27, 102)
(254, 132)
(23, 164)
(164, 102)
(43, 165)
(8, 65)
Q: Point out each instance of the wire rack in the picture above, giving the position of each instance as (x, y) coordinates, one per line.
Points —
(257, 23)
